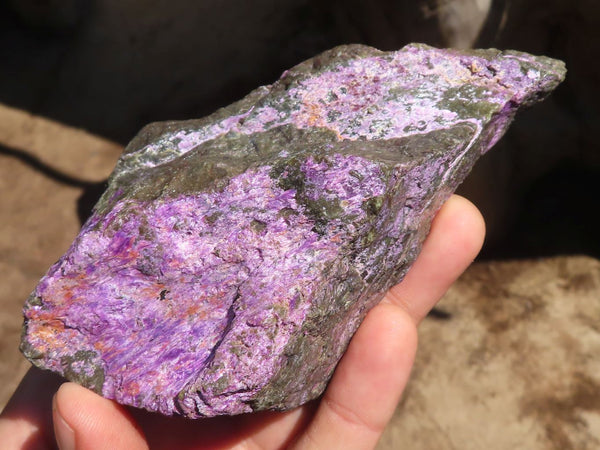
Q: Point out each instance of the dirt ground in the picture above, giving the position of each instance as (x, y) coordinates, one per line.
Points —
(513, 366)
(510, 364)
(38, 214)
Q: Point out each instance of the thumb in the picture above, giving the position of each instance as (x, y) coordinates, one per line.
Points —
(85, 421)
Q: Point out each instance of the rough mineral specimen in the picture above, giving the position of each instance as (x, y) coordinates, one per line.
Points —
(232, 258)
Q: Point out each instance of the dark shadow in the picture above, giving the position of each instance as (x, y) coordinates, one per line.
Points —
(91, 190)
(439, 314)
(215, 432)
(32, 403)
(77, 62)
(558, 215)
(493, 25)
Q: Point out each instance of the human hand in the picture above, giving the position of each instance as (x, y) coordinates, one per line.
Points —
(352, 413)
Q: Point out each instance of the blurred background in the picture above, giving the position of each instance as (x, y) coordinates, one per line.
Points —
(79, 78)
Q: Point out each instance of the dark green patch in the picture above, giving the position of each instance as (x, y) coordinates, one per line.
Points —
(369, 238)
(312, 346)
(281, 311)
(333, 115)
(467, 102)
(29, 351)
(34, 300)
(291, 177)
(257, 226)
(88, 359)
(332, 60)
(211, 219)
(332, 96)
(286, 213)
(373, 205)
(356, 174)
(220, 385)
(237, 350)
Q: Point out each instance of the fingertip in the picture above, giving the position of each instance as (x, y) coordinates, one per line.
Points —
(466, 221)
(66, 392)
(392, 333)
(83, 419)
(456, 236)
(64, 434)
(368, 382)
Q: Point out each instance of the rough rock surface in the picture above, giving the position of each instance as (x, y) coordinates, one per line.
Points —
(513, 365)
(232, 258)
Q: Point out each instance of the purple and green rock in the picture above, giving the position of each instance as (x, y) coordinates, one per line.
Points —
(232, 258)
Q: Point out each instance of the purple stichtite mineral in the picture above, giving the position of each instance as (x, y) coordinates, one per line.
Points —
(232, 258)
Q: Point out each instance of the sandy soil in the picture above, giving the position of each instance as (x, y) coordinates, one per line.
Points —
(514, 366)
(38, 215)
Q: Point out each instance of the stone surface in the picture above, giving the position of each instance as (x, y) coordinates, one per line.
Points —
(513, 365)
(232, 258)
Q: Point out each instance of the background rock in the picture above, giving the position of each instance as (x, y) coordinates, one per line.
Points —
(539, 177)
(111, 67)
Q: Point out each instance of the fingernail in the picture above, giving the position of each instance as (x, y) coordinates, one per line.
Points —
(65, 436)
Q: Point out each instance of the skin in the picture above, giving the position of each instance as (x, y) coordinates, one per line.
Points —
(351, 414)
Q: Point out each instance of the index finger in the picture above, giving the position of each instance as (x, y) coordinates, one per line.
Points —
(456, 236)
(369, 380)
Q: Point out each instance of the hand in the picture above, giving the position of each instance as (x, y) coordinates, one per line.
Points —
(352, 413)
